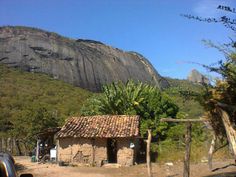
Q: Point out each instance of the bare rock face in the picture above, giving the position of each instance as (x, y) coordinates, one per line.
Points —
(196, 77)
(85, 63)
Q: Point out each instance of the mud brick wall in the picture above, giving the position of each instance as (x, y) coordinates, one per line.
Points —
(125, 155)
(69, 149)
(82, 150)
(94, 151)
(100, 151)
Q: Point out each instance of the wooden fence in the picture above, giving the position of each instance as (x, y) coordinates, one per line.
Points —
(13, 146)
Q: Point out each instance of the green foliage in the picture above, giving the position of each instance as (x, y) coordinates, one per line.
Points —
(134, 99)
(186, 94)
(31, 102)
(223, 93)
(92, 106)
(184, 84)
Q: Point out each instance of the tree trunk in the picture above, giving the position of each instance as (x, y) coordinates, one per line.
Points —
(211, 151)
(18, 149)
(187, 150)
(230, 131)
(1, 149)
(3, 145)
(149, 168)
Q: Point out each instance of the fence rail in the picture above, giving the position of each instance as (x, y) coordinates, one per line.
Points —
(13, 146)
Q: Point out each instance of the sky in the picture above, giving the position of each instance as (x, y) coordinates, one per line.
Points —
(153, 28)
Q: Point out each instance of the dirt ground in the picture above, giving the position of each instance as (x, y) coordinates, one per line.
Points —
(221, 168)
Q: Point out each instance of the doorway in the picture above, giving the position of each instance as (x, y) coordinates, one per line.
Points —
(111, 150)
(141, 154)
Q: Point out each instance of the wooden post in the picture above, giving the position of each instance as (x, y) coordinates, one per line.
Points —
(3, 145)
(181, 120)
(187, 150)
(211, 151)
(230, 131)
(57, 148)
(18, 149)
(149, 168)
(37, 150)
(9, 145)
(1, 149)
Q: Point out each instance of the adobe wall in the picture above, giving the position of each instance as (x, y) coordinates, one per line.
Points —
(94, 151)
(100, 151)
(125, 154)
(82, 150)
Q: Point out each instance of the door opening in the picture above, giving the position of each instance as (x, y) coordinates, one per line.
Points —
(112, 151)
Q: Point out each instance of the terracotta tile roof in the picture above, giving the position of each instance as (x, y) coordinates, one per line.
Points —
(105, 126)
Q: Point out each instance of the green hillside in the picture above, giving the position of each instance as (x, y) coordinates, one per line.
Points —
(181, 92)
(30, 102)
(184, 84)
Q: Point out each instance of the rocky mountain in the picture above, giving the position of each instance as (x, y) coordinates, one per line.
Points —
(196, 77)
(85, 63)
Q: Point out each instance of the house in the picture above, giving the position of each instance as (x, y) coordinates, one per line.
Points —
(96, 140)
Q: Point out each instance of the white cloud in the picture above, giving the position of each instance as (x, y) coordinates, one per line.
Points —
(208, 8)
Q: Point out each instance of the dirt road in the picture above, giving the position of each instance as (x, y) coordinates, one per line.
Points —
(223, 168)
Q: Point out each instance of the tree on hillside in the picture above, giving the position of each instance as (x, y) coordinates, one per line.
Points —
(134, 99)
(32, 121)
(219, 100)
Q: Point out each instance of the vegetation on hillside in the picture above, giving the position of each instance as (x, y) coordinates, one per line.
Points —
(31, 102)
(183, 93)
(134, 99)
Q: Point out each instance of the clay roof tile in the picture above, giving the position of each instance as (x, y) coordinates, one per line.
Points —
(103, 126)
